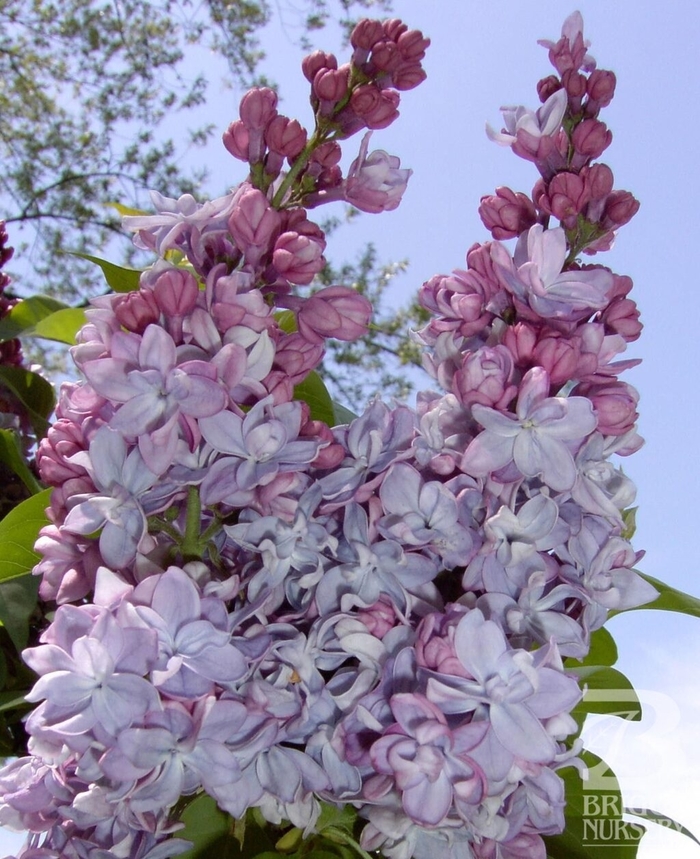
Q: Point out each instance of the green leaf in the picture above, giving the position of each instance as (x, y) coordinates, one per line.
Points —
(13, 700)
(663, 820)
(205, 823)
(33, 392)
(629, 517)
(314, 392)
(287, 321)
(61, 326)
(18, 599)
(18, 533)
(342, 415)
(603, 650)
(594, 816)
(127, 210)
(669, 599)
(607, 691)
(119, 279)
(25, 315)
(12, 455)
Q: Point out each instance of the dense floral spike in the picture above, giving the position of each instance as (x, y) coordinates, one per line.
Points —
(258, 606)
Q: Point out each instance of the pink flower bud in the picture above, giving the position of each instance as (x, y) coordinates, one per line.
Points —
(615, 405)
(575, 86)
(520, 340)
(408, 76)
(313, 63)
(559, 356)
(176, 292)
(258, 107)
(336, 311)
(620, 207)
(331, 453)
(297, 356)
(330, 85)
(507, 213)
(412, 45)
(327, 154)
(386, 56)
(601, 89)
(64, 439)
(366, 33)
(379, 618)
(285, 136)
(486, 378)
(377, 108)
(298, 258)
(591, 138)
(237, 140)
(136, 310)
(599, 181)
(254, 225)
(566, 197)
(394, 28)
(621, 316)
(547, 87)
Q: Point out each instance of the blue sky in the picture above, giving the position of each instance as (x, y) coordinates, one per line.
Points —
(483, 55)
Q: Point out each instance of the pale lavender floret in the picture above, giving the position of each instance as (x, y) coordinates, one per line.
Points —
(543, 122)
(256, 448)
(373, 441)
(370, 568)
(425, 514)
(538, 615)
(194, 653)
(98, 682)
(601, 488)
(154, 390)
(427, 761)
(535, 437)
(515, 537)
(121, 478)
(176, 219)
(375, 182)
(535, 276)
(284, 546)
(515, 689)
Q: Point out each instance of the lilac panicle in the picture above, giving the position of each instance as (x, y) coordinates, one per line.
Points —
(275, 612)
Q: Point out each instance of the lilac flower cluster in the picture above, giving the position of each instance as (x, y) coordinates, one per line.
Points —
(254, 605)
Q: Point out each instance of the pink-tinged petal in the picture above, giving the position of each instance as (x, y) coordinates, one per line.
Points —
(158, 448)
(535, 453)
(157, 350)
(486, 453)
(108, 376)
(47, 658)
(533, 389)
(141, 414)
(495, 422)
(219, 664)
(90, 515)
(428, 803)
(522, 733)
(224, 432)
(410, 710)
(556, 693)
(196, 396)
(452, 700)
(118, 546)
(122, 701)
(63, 689)
(478, 644)
(580, 420)
(176, 599)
